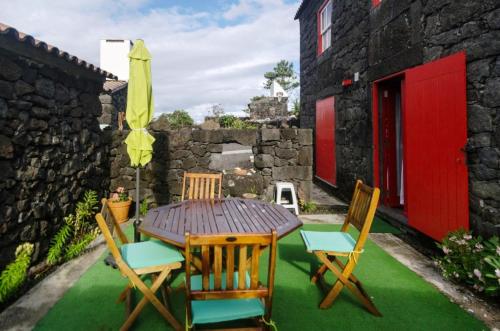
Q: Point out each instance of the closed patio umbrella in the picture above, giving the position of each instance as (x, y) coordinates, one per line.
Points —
(139, 113)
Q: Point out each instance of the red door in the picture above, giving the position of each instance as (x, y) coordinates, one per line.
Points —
(325, 140)
(435, 123)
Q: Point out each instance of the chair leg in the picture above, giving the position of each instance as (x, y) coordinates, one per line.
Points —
(344, 279)
(319, 273)
(149, 295)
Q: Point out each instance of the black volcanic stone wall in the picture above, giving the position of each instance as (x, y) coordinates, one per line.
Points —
(51, 150)
(279, 155)
(396, 35)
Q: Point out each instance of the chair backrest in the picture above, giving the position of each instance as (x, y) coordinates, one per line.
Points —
(225, 255)
(107, 223)
(201, 186)
(362, 211)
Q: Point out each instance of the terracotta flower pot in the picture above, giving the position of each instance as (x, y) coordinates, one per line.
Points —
(119, 209)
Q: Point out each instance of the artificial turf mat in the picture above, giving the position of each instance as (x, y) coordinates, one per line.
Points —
(406, 301)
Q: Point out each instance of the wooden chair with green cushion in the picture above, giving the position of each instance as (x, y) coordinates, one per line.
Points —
(135, 260)
(228, 287)
(329, 246)
(201, 186)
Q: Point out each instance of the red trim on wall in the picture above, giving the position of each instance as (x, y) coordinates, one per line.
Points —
(375, 3)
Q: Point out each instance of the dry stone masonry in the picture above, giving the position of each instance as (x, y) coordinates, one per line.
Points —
(51, 149)
(278, 155)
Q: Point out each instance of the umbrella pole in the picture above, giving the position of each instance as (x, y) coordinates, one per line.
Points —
(137, 235)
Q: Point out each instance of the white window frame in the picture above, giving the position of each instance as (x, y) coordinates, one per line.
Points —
(325, 18)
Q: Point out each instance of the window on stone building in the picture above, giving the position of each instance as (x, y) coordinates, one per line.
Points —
(325, 26)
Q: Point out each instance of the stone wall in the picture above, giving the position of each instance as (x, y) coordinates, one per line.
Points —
(51, 149)
(396, 35)
(279, 155)
(268, 108)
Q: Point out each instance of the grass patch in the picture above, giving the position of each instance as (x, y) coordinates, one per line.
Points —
(406, 301)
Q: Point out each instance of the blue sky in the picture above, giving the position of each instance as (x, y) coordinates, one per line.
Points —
(204, 52)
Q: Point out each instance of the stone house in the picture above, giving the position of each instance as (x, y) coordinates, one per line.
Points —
(114, 101)
(405, 94)
(51, 147)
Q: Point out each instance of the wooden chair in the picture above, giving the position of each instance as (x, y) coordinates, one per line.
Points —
(137, 259)
(201, 186)
(328, 246)
(225, 290)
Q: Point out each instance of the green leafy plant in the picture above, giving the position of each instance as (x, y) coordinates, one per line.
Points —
(233, 122)
(471, 260)
(77, 232)
(15, 273)
(227, 121)
(143, 208)
(179, 119)
(307, 206)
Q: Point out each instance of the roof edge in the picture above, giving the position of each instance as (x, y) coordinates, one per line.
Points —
(301, 9)
(29, 41)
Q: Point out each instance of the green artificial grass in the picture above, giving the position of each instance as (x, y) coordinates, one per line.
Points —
(381, 226)
(406, 301)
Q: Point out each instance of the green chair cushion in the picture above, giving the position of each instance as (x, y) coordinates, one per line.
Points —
(341, 242)
(149, 254)
(213, 311)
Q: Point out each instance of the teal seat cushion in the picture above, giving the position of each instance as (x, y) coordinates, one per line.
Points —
(213, 311)
(149, 254)
(341, 242)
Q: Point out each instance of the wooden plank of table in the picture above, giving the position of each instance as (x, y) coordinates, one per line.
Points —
(254, 217)
(219, 218)
(227, 215)
(263, 217)
(247, 224)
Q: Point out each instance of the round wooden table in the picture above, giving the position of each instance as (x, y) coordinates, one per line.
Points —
(231, 215)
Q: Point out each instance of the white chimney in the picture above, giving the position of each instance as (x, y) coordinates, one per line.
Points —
(114, 57)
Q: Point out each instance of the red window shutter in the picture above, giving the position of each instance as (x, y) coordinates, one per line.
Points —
(325, 140)
(435, 122)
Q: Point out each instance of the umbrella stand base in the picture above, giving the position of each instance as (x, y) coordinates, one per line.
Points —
(110, 261)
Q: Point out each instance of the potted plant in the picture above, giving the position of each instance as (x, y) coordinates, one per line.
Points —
(119, 205)
(250, 195)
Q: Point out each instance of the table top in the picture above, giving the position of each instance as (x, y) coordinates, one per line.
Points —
(230, 215)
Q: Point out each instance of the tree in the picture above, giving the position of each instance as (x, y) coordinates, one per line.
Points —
(284, 74)
(218, 110)
(179, 119)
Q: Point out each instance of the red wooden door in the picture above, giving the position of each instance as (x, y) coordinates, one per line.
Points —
(325, 140)
(435, 123)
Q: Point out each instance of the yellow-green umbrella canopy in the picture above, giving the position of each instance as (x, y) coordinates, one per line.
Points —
(140, 106)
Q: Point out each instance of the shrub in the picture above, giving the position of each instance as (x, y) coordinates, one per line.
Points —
(15, 273)
(233, 122)
(77, 232)
(179, 119)
(471, 260)
(307, 206)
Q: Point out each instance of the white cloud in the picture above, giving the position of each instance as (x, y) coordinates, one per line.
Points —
(199, 58)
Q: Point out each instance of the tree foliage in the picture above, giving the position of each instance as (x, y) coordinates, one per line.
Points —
(179, 119)
(284, 74)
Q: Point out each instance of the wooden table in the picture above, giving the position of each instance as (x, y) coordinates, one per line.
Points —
(232, 215)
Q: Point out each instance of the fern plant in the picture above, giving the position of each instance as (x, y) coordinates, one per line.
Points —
(78, 231)
(15, 273)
